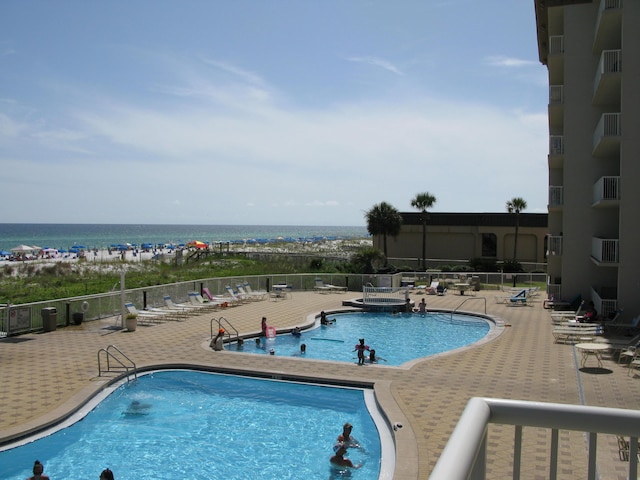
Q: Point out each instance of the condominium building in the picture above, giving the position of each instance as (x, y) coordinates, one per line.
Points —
(592, 52)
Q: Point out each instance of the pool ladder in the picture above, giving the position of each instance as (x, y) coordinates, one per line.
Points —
(228, 328)
(466, 300)
(123, 363)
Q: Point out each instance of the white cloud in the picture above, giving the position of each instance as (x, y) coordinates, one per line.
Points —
(510, 62)
(377, 62)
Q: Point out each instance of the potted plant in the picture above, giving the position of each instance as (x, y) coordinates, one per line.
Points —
(131, 322)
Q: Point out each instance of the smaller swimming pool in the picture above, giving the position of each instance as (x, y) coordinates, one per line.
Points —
(396, 338)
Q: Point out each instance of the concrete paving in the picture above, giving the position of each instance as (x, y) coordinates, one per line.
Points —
(46, 376)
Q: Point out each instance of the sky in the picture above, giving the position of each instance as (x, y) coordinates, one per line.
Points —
(267, 112)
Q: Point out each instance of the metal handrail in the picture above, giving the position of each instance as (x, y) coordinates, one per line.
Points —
(109, 355)
(466, 300)
(227, 327)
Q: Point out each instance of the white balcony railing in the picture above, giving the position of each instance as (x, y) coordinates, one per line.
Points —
(556, 44)
(556, 196)
(609, 126)
(465, 455)
(554, 246)
(605, 250)
(556, 94)
(556, 145)
(606, 189)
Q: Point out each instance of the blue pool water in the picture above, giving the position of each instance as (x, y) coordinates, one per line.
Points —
(192, 425)
(397, 338)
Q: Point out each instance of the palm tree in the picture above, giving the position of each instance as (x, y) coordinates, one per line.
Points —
(383, 219)
(515, 206)
(422, 201)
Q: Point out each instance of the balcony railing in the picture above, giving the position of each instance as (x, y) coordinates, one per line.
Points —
(556, 44)
(607, 134)
(465, 455)
(555, 196)
(556, 94)
(605, 250)
(556, 145)
(606, 190)
(554, 246)
(607, 82)
(608, 24)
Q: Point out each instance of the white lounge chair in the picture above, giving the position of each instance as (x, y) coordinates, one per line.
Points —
(250, 296)
(145, 316)
(219, 299)
(433, 288)
(250, 291)
(320, 285)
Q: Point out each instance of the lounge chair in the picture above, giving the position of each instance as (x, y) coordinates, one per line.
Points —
(561, 305)
(320, 287)
(624, 328)
(576, 333)
(220, 300)
(519, 298)
(433, 288)
(181, 309)
(332, 288)
(145, 316)
(441, 290)
(566, 315)
(250, 291)
(236, 296)
(196, 300)
(250, 296)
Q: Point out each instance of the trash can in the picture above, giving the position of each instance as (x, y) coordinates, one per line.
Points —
(77, 318)
(49, 319)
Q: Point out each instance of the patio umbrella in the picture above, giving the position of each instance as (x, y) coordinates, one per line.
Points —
(4, 253)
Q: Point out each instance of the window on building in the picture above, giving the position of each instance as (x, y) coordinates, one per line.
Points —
(489, 245)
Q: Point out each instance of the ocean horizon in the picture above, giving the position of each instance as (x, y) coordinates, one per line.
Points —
(102, 236)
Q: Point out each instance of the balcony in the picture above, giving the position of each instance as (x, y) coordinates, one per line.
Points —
(465, 455)
(608, 32)
(606, 192)
(554, 246)
(556, 151)
(555, 58)
(605, 299)
(556, 107)
(606, 137)
(556, 200)
(607, 84)
(604, 251)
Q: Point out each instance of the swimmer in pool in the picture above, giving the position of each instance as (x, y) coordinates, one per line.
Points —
(338, 459)
(295, 331)
(373, 358)
(324, 320)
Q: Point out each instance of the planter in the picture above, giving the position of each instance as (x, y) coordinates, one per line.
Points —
(131, 323)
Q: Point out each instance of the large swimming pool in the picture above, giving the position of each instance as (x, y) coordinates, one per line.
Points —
(178, 425)
(396, 338)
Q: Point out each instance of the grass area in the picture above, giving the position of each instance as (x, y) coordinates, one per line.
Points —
(30, 282)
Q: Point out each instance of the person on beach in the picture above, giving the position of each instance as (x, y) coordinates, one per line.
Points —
(106, 474)
(338, 459)
(361, 348)
(38, 468)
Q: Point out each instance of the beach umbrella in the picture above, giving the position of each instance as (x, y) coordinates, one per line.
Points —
(197, 244)
(4, 253)
(80, 247)
(22, 249)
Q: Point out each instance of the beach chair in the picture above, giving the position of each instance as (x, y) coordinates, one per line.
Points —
(236, 296)
(441, 290)
(223, 301)
(145, 316)
(250, 296)
(433, 288)
(566, 315)
(250, 291)
(196, 301)
(624, 328)
(181, 309)
(519, 298)
(331, 288)
(320, 287)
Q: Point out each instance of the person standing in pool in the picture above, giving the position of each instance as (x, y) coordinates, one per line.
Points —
(264, 326)
(422, 306)
(338, 459)
(38, 468)
(106, 474)
(361, 348)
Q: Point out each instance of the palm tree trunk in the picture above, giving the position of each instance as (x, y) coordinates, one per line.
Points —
(424, 243)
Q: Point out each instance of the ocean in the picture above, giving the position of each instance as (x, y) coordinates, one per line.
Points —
(65, 236)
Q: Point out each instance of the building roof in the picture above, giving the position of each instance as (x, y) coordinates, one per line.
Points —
(538, 220)
(542, 23)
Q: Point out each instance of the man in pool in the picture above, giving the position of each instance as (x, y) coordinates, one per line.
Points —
(338, 459)
(38, 468)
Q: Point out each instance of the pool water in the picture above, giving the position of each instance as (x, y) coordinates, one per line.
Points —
(192, 425)
(396, 338)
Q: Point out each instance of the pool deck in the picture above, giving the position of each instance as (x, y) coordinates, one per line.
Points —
(47, 375)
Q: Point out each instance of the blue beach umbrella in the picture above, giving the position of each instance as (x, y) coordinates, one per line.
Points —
(4, 253)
